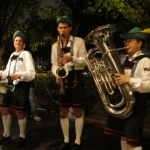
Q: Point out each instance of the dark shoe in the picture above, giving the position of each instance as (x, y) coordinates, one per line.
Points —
(64, 146)
(75, 147)
(5, 139)
(21, 142)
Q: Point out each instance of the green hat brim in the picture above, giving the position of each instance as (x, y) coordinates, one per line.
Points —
(64, 19)
(20, 34)
(138, 35)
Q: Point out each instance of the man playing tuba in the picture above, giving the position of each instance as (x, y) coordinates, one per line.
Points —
(137, 75)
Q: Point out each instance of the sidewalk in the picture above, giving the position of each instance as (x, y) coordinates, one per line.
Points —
(47, 135)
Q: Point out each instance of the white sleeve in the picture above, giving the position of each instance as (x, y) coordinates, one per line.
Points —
(54, 59)
(79, 59)
(141, 80)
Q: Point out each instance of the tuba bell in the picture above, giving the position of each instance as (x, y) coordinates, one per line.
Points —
(118, 100)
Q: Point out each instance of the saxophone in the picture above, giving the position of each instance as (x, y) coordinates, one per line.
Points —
(61, 71)
(118, 100)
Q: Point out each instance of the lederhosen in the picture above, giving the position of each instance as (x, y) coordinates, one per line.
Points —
(17, 97)
(130, 127)
(74, 86)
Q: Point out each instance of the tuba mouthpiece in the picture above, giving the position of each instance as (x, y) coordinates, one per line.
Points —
(127, 47)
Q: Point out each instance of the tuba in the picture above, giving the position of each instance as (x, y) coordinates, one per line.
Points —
(103, 62)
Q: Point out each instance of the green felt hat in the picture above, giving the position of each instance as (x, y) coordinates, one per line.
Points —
(64, 19)
(136, 33)
(20, 34)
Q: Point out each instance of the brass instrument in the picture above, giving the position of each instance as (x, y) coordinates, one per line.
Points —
(106, 64)
(61, 72)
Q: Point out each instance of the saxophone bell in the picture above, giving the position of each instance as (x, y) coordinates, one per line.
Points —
(61, 72)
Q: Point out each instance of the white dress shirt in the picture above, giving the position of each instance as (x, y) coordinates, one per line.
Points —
(23, 65)
(79, 52)
(140, 82)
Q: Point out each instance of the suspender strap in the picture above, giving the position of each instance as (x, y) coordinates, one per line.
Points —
(137, 59)
(71, 50)
(71, 47)
(15, 65)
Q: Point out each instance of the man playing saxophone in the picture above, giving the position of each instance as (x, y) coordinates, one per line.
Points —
(137, 75)
(68, 61)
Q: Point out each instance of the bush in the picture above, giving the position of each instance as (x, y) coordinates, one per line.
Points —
(47, 90)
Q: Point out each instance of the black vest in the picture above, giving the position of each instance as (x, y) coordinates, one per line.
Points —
(130, 64)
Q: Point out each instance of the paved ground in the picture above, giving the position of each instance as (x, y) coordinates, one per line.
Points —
(47, 135)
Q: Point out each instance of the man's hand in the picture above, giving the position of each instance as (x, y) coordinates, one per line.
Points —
(92, 60)
(65, 58)
(16, 76)
(57, 80)
(121, 78)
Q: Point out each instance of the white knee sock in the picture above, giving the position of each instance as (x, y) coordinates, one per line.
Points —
(65, 128)
(124, 145)
(22, 125)
(136, 148)
(79, 126)
(6, 124)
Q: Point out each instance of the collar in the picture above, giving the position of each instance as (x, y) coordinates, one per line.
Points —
(70, 41)
(135, 55)
(18, 53)
(71, 38)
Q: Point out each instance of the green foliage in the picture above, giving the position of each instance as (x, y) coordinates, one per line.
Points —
(13, 16)
(38, 21)
(40, 27)
(47, 89)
